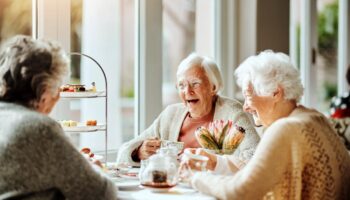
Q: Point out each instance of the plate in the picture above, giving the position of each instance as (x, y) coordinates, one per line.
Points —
(83, 128)
(129, 175)
(157, 189)
(82, 94)
(98, 157)
(95, 157)
(127, 184)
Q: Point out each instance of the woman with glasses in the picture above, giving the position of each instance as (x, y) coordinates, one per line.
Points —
(198, 83)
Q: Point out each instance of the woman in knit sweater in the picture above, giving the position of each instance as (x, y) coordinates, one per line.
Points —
(299, 155)
(37, 159)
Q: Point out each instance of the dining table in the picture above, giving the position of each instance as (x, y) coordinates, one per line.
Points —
(129, 188)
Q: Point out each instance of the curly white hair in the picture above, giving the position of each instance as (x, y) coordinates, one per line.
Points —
(267, 71)
(210, 67)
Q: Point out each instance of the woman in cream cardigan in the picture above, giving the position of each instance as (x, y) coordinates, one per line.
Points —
(299, 155)
(198, 83)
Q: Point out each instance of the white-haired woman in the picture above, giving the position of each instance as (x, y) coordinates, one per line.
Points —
(299, 155)
(37, 159)
(198, 83)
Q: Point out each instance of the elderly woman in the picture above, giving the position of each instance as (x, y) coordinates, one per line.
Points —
(198, 83)
(299, 155)
(37, 159)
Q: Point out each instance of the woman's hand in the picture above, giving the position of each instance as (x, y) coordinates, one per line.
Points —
(211, 164)
(148, 148)
(98, 163)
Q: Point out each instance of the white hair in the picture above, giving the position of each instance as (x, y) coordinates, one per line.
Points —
(267, 71)
(210, 67)
(30, 67)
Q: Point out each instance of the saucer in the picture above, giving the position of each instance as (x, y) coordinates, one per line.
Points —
(158, 189)
(127, 185)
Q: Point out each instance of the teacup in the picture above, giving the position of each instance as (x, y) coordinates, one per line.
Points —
(178, 145)
(196, 162)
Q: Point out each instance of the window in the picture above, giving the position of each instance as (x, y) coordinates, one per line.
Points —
(179, 20)
(186, 28)
(113, 47)
(15, 18)
(322, 39)
(326, 59)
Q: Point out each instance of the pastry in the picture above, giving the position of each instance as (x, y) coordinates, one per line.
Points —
(69, 123)
(91, 122)
(87, 153)
(72, 88)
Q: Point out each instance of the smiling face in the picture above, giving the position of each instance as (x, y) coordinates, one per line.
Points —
(196, 91)
(261, 107)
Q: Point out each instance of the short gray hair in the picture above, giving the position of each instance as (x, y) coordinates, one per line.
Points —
(29, 67)
(210, 67)
(267, 71)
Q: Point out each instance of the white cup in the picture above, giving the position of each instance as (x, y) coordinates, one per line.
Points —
(199, 161)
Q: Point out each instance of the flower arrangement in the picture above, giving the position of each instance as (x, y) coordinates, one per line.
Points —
(222, 136)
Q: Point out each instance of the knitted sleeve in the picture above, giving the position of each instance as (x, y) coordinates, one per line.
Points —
(126, 150)
(57, 164)
(258, 177)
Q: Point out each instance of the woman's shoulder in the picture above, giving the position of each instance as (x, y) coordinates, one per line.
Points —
(222, 100)
(34, 119)
(174, 108)
(228, 105)
(22, 121)
(305, 115)
(21, 115)
(301, 117)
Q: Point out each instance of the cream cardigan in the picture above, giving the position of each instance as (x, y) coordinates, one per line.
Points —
(168, 124)
(299, 157)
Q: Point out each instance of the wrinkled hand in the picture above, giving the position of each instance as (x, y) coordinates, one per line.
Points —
(211, 164)
(148, 148)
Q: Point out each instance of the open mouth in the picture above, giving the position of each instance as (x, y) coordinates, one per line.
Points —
(192, 101)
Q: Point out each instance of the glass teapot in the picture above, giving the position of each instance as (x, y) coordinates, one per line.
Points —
(160, 170)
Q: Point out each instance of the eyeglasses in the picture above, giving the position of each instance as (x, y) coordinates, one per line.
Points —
(194, 84)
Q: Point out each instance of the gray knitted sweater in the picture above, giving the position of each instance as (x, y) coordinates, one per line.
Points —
(37, 160)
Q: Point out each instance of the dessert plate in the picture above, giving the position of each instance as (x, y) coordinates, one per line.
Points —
(157, 189)
(82, 94)
(98, 157)
(129, 175)
(83, 128)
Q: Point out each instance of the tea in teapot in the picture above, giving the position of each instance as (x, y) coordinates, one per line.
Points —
(160, 170)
